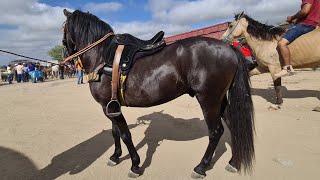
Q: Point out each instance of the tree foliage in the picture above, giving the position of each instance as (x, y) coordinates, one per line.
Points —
(56, 53)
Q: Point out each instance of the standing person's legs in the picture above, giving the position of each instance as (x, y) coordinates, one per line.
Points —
(10, 78)
(78, 75)
(81, 75)
(23, 77)
(19, 78)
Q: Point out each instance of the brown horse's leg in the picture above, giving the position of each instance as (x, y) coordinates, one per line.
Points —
(276, 82)
(277, 87)
(212, 116)
(257, 71)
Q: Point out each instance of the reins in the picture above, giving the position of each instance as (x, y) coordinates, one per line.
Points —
(88, 47)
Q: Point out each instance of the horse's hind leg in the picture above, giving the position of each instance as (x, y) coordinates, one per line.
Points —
(212, 114)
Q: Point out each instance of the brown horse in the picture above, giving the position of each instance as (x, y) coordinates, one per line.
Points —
(263, 40)
(202, 67)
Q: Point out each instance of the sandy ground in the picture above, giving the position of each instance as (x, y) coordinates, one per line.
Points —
(56, 130)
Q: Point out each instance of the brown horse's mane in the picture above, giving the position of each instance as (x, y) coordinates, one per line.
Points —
(262, 31)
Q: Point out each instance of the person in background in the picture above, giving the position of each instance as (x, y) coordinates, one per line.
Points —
(79, 68)
(61, 69)
(25, 73)
(10, 73)
(19, 69)
(31, 67)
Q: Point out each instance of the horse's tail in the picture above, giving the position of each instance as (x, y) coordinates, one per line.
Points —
(241, 116)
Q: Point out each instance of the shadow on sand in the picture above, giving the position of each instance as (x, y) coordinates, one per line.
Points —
(165, 127)
(14, 165)
(269, 94)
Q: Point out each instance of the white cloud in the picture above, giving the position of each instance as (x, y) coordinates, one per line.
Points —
(103, 7)
(145, 30)
(37, 28)
(188, 12)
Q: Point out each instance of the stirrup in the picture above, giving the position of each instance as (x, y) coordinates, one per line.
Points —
(113, 109)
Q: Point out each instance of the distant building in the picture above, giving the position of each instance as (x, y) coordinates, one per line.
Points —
(215, 31)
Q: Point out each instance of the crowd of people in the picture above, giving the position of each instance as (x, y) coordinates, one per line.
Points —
(20, 72)
(23, 72)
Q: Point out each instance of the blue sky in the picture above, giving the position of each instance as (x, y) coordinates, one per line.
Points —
(33, 27)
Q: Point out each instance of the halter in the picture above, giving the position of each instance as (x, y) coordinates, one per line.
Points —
(228, 37)
(88, 47)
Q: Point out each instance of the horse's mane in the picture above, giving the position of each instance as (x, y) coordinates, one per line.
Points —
(89, 27)
(262, 31)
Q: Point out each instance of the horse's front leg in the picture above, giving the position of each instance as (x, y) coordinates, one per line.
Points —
(125, 135)
(257, 71)
(114, 159)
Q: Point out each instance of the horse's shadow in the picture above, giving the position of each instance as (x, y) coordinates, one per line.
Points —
(16, 165)
(79, 157)
(165, 127)
(269, 95)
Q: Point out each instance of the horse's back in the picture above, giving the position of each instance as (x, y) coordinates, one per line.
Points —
(305, 51)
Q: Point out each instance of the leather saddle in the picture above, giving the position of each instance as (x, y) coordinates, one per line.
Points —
(134, 48)
(143, 45)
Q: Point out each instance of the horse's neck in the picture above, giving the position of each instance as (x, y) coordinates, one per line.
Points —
(257, 45)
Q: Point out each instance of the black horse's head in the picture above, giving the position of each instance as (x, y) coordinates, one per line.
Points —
(81, 29)
(69, 47)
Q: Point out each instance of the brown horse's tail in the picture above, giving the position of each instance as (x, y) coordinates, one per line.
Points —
(241, 116)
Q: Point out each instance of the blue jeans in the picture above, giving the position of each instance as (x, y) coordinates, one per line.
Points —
(80, 76)
(10, 78)
(296, 31)
(19, 77)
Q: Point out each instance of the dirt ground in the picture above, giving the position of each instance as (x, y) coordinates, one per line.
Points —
(55, 130)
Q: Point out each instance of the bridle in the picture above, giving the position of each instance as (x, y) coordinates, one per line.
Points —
(64, 41)
(229, 38)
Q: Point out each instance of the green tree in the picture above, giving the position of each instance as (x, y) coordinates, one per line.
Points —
(56, 53)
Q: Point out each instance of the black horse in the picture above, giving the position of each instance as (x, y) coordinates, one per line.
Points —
(202, 67)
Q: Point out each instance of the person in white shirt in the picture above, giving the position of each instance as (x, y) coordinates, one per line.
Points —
(10, 74)
(19, 69)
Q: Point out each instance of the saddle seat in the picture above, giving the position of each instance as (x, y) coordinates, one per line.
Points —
(143, 45)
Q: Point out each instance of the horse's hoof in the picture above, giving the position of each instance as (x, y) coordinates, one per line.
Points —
(112, 163)
(231, 169)
(317, 109)
(274, 107)
(195, 175)
(133, 175)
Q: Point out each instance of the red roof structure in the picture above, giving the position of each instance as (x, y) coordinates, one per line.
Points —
(215, 31)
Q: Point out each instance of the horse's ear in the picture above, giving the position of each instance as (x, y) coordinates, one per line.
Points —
(240, 15)
(66, 13)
